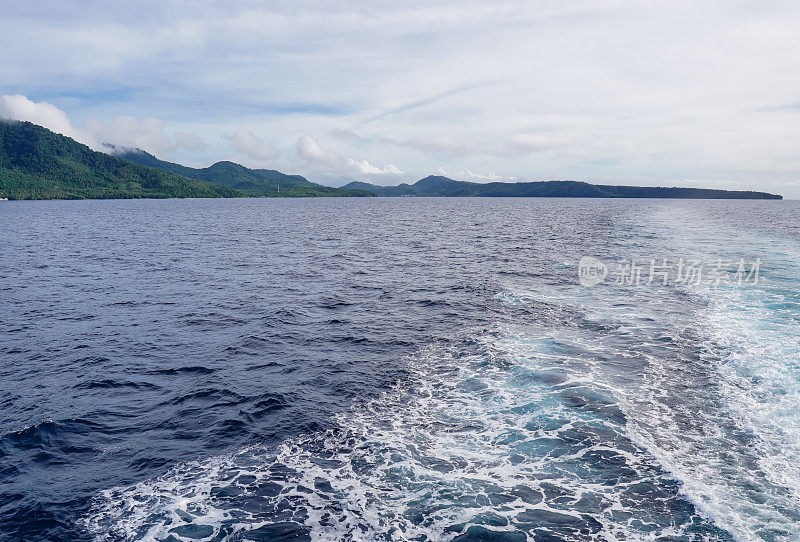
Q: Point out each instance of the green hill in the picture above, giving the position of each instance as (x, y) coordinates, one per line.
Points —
(254, 182)
(436, 185)
(36, 163)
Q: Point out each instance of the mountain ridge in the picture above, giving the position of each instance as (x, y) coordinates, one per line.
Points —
(36, 163)
(440, 186)
(253, 182)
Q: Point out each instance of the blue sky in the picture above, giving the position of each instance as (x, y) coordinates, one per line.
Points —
(635, 92)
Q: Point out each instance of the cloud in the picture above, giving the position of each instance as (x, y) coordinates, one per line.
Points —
(310, 150)
(123, 132)
(475, 177)
(533, 142)
(416, 104)
(313, 153)
(600, 90)
(147, 134)
(506, 146)
(246, 143)
(366, 168)
(18, 107)
(190, 142)
(443, 145)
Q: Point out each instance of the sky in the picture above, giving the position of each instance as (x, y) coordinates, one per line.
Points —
(680, 93)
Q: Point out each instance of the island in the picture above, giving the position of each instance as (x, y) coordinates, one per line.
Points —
(438, 186)
(36, 163)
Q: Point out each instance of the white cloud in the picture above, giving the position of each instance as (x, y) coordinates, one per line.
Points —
(123, 132)
(18, 107)
(511, 146)
(190, 142)
(441, 145)
(310, 150)
(248, 144)
(600, 90)
(533, 142)
(146, 134)
(366, 168)
(330, 163)
(469, 175)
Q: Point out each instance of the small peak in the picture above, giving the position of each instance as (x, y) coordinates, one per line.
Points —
(435, 179)
(226, 164)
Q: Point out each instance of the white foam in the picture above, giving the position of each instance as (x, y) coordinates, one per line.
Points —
(735, 442)
(429, 455)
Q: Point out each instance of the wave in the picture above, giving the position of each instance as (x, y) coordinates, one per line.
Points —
(510, 434)
(754, 348)
(719, 413)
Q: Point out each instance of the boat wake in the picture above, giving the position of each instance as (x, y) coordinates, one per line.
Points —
(516, 433)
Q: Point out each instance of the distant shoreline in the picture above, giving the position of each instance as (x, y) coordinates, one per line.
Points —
(435, 185)
(618, 198)
(38, 164)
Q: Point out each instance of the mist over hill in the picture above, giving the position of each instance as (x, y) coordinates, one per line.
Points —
(36, 163)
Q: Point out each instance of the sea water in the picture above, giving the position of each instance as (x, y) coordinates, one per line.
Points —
(397, 369)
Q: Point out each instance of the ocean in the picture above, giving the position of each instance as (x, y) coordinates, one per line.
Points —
(367, 369)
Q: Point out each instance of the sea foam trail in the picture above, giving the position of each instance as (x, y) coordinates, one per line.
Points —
(516, 434)
(712, 397)
(721, 417)
(611, 413)
(754, 345)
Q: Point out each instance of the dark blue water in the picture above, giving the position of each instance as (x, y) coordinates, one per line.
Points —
(394, 369)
